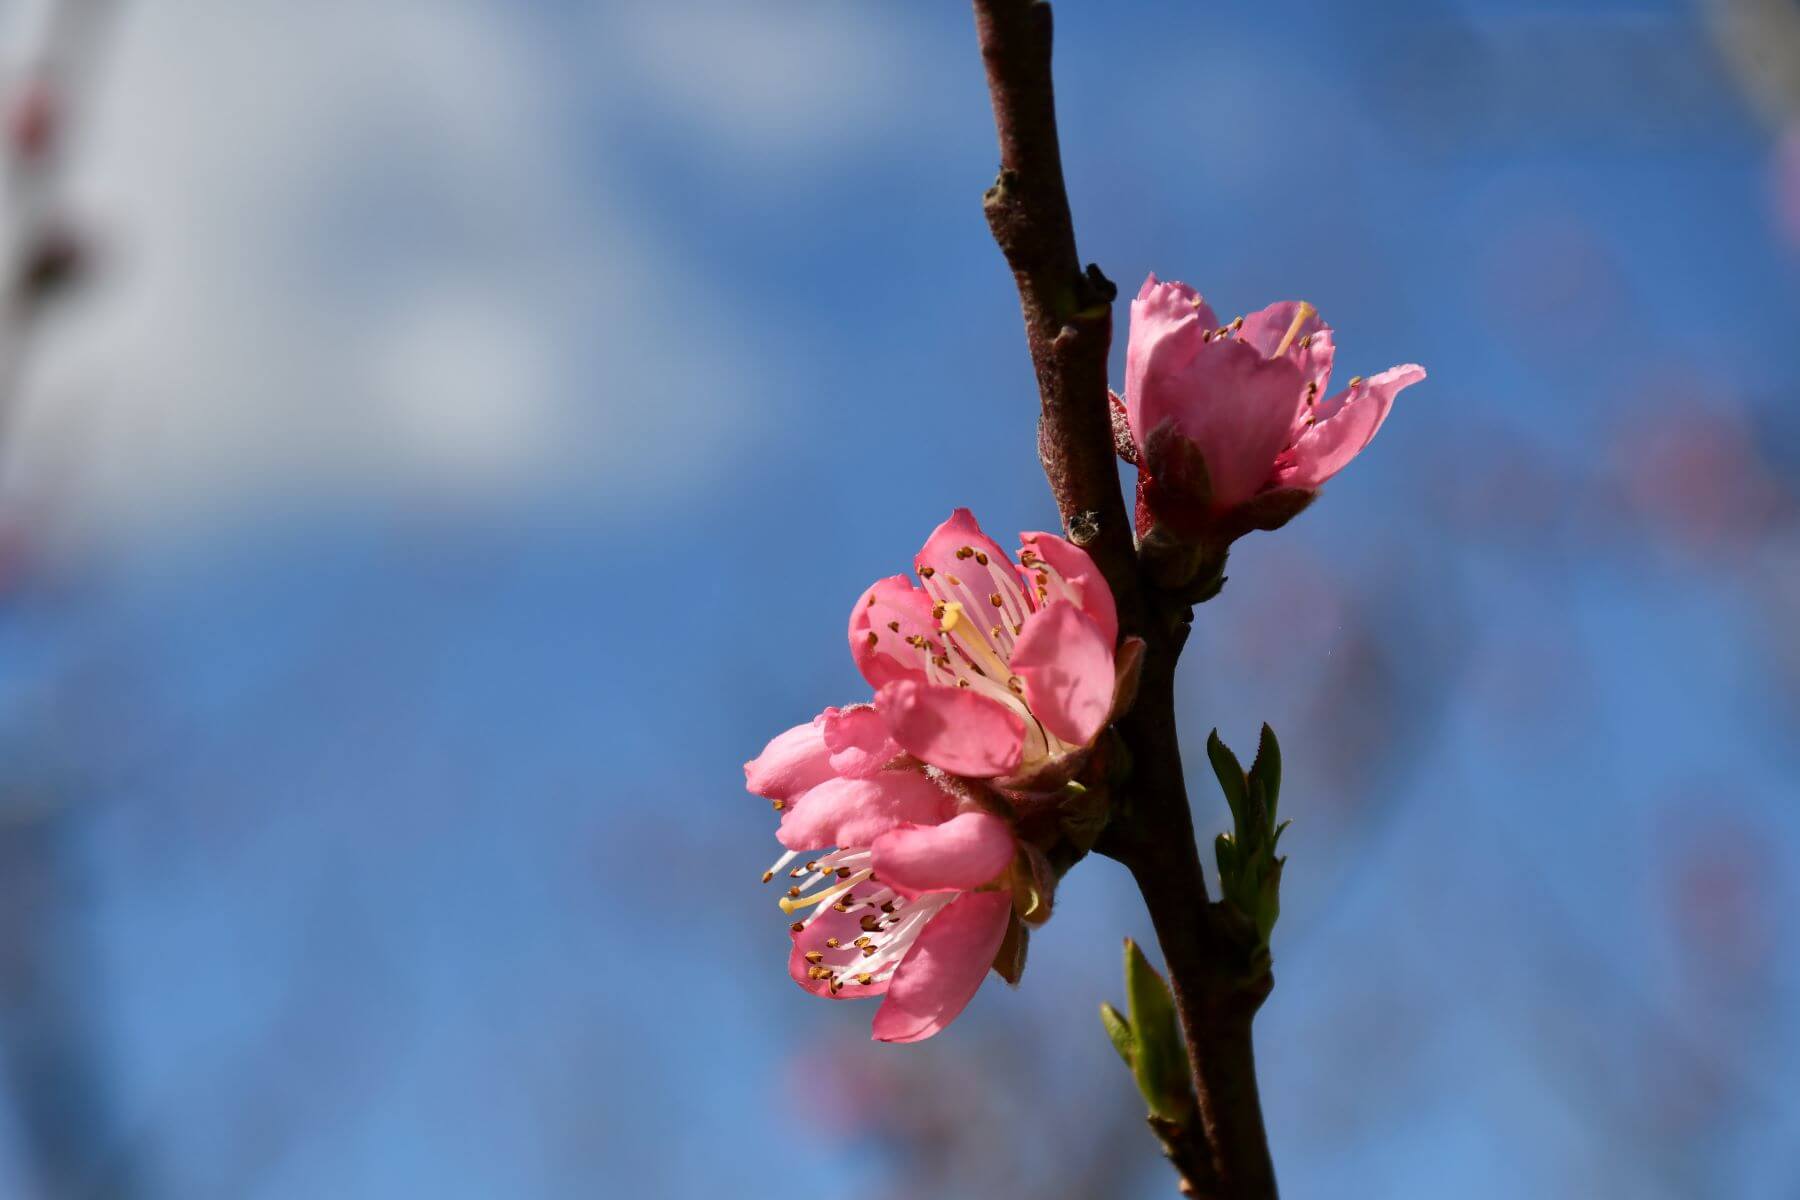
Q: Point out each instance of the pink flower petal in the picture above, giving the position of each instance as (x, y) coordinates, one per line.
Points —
(854, 812)
(953, 728)
(1079, 572)
(962, 564)
(1169, 322)
(858, 741)
(959, 855)
(1268, 327)
(1311, 348)
(1066, 662)
(845, 958)
(944, 550)
(891, 611)
(941, 973)
(1315, 361)
(791, 763)
(1236, 406)
(1345, 425)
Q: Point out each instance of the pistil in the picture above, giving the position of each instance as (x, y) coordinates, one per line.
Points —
(792, 903)
(1301, 315)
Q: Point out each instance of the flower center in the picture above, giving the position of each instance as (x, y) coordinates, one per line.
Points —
(886, 923)
(954, 621)
(979, 632)
(980, 603)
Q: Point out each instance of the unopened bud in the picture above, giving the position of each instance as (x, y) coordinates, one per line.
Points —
(1159, 1058)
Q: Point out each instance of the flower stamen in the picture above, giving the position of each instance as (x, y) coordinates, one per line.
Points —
(781, 862)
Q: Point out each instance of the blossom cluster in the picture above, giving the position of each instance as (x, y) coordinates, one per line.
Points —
(993, 677)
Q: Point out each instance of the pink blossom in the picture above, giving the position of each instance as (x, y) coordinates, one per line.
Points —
(991, 669)
(907, 878)
(992, 674)
(1226, 420)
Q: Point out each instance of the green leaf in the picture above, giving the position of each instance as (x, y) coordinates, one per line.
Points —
(1225, 853)
(1118, 1029)
(1265, 772)
(1249, 871)
(1160, 1061)
(1269, 908)
(1231, 776)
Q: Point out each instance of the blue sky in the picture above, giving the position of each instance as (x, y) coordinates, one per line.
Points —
(484, 417)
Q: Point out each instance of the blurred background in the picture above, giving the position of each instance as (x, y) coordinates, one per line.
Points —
(440, 442)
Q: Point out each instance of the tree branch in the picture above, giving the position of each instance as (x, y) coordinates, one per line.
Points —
(1068, 312)
(1210, 950)
(1214, 972)
(42, 255)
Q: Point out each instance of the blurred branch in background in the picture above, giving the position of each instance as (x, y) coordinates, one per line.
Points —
(68, 1130)
(44, 250)
(1760, 40)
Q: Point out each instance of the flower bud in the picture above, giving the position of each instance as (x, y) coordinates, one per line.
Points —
(1158, 1054)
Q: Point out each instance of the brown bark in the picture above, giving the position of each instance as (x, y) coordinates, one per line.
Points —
(1068, 311)
(1217, 982)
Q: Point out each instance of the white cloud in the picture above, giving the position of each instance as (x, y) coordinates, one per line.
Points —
(350, 247)
(462, 381)
(780, 77)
